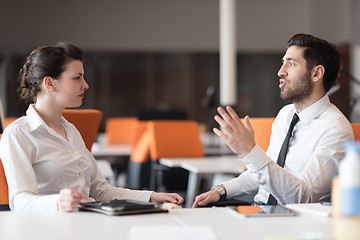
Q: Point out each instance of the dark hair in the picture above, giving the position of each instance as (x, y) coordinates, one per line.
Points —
(42, 62)
(319, 52)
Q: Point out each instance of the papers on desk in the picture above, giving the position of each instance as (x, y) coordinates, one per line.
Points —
(317, 209)
(171, 232)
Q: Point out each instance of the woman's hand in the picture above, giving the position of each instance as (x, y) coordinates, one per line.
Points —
(69, 199)
(166, 198)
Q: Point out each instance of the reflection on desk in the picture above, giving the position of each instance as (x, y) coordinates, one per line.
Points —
(225, 223)
(203, 167)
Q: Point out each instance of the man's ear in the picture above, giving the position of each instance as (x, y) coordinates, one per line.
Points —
(48, 83)
(317, 73)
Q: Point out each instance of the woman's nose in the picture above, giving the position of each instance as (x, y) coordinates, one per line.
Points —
(85, 86)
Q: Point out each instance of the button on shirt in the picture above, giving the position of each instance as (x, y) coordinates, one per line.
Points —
(314, 153)
(38, 163)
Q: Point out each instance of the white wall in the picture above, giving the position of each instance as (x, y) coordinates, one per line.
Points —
(331, 19)
(166, 25)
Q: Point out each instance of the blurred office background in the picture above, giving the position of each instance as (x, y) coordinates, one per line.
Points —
(164, 54)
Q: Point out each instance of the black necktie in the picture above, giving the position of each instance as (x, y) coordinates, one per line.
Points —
(283, 152)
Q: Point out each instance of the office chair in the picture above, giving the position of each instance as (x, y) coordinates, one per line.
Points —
(172, 138)
(121, 130)
(4, 194)
(9, 120)
(87, 122)
(356, 129)
(138, 174)
(262, 129)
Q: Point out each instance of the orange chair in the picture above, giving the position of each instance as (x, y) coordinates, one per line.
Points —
(262, 130)
(172, 138)
(356, 129)
(138, 173)
(175, 139)
(6, 122)
(141, 150)
(87, 122)
(4, 194)
(9, 120)
(121, 130)
(140, 129)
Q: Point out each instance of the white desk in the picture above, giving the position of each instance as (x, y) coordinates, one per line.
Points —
(200, 167)
(111, 150)
(113, 154)
(225, 223)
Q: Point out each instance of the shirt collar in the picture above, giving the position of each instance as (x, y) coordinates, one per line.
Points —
(314, 110)
(35, 121)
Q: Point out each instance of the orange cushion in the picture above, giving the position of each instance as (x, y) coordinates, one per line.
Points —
(121, 130)
(175, 139)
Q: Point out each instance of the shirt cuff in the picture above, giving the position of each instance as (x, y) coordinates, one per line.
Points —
(232, 188)
(256, 159)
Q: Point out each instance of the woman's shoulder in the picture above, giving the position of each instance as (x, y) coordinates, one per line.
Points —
(19, 125)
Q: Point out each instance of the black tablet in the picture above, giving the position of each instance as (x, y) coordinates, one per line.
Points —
(121, 207)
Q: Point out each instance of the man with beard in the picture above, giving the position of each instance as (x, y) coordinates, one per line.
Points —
(319, 131)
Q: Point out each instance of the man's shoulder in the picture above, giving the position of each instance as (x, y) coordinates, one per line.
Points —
(286, 110)
(335, 117)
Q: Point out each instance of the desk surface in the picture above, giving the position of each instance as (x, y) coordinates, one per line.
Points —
(203, 165)
(111, 150)
(225, 224)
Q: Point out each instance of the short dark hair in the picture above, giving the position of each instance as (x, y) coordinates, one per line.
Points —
(45, 61)
(319, 52)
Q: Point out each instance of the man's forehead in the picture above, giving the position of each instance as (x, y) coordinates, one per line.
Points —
(294, 53)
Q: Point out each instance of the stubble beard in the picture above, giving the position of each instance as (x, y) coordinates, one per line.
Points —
(302, 90)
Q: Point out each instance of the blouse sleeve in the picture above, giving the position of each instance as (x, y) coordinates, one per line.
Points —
(101, 190)
(16, 153)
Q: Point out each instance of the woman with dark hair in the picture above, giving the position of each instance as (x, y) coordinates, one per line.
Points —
(46, 163)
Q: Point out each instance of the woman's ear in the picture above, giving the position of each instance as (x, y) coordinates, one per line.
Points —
(318, 73)
(48, 83)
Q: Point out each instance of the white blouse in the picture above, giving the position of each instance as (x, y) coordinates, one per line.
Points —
(38, 163)
(315, 151)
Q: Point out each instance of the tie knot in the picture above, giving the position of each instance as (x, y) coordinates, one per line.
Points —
(294, 120)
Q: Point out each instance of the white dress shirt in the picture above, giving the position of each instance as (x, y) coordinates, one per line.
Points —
(315, 151)
(38, 163)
